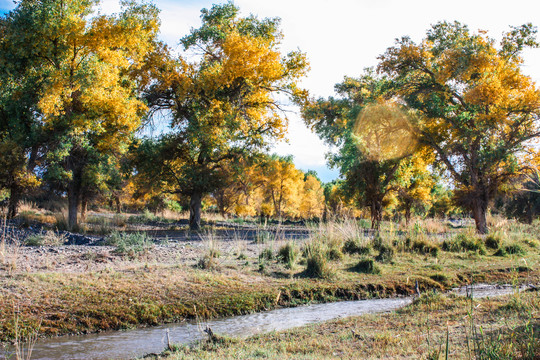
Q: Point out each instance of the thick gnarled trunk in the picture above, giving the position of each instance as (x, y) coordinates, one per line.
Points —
(195, 211)
(479, 209)
(14, 199)
(376, 214)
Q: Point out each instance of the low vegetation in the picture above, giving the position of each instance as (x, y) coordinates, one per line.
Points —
(435, 326)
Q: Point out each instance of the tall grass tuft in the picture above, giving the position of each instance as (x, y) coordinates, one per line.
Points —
(463, 242)
(317, 265)
(366, 266)
(288, 254)
(129, 244)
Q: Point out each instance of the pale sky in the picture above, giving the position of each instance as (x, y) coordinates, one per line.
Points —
(342, 37)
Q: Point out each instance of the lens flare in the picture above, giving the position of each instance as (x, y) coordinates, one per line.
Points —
(383, 132)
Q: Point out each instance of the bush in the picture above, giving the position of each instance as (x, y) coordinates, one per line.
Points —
(207, 262)
(386, 254)
(510, 249)
(49, 238)
(440, 278)
(366, 266)
(317, 263)
(353, 246)
(334, 254)
(377, 241)
(288, 254)
(464, 242)
(143, 218)
(493, 241)
(425, 247)
(266, 254)
(130, 244)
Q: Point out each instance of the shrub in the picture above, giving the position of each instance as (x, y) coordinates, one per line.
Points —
(425, 247)
(334, 254)
(353, 246)
(317, 263)
(207, 262)
(493, 241)
(288, 254)
(386, 254)
(366, 266)
(130, 244)
(266, 254)
(514, 249)
(464, 242)
(377, 241)
(440, 278)
(49, 238)
(143, 218)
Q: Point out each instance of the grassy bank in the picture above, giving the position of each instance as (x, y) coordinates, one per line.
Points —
(149, 295)
(433, 327)
(134, 282)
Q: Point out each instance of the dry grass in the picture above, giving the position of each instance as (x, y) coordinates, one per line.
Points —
(131, 293)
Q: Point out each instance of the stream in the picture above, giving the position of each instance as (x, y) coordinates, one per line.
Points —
(134, 343)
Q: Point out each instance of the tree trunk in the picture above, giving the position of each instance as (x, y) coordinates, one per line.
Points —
(220, 200)
(13, 204)
(118, 204)
(407, 213)
(74, 198)
(195, 211)
(479, 210)
(529, 214)
(376, 215)
(84, 207)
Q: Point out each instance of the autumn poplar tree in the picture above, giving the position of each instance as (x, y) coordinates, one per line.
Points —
(222, 94)
(88, 102)
(476, 108)
(372, 135)
(21, 143)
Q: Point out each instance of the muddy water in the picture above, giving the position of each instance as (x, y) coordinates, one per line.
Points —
(135, 343)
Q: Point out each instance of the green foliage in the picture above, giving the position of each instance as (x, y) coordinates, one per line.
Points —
(493, 241)
(355, 246)
(79, 106)
(222, 104)
(366, 266)
(266, 254)
(464, 242)
(288, 254)
(423, 246)
(129, 244)
(317, 265)
(478, 145)
(386, 254)
(510, 249)
(144, 218)
(334, 253)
